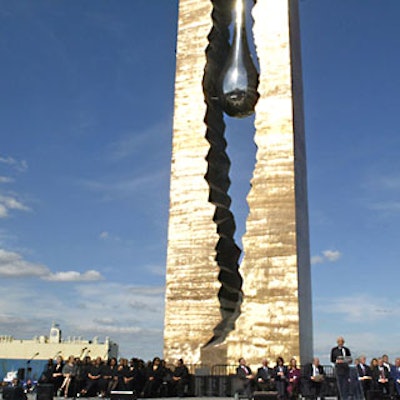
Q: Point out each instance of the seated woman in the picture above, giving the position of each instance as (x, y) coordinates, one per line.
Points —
(109, 377)
(57, 377)
(69, 372)
(293, 387)
(154, 378)
(280, 377)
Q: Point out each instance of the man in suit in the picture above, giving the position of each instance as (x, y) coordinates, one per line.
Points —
(246, 377)
(395, 374)
(381, 377)
(313, 379)
(180, 378)
(389, 366)
(341, 357)
(364, 375)
(264, 377)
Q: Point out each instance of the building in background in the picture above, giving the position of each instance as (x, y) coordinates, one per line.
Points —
(32, 354)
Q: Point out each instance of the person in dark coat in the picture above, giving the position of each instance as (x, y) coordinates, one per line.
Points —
(131, 377)
(293, 377)
(109, 377)
(313, 379)
(381, 378)
(341, 357)
(264, 377)
(46, 375)
(245, 375)
(395, 374)
(57, 376)
(154, 378)
(364, 375)
(281, 377)
(94, 379)
(180, 378)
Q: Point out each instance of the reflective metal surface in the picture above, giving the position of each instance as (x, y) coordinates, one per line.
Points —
(239, 78)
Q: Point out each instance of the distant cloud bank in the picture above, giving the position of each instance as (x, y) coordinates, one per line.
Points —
(13, 265)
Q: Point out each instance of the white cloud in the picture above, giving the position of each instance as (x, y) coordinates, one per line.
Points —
(317, 260)
(3, 211)
(104, 235)
(18, 165)
(331, 255)
(326, 256)
(13, 265)
(74, 276)
(6, 179)
(10, 203)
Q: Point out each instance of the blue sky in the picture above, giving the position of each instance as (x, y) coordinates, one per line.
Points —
(86, 106)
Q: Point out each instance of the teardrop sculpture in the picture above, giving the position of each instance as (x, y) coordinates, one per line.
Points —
(239, 78)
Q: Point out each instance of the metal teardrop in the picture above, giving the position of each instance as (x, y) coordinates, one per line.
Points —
(239, 78)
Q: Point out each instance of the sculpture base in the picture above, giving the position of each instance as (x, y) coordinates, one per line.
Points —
(215, 355)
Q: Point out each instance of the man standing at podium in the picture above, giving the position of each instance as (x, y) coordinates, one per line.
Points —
(341, 357)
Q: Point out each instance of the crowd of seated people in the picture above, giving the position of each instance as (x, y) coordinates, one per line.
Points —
(87, 377)
(379, 376)
(284, 379)
(290, 381)
(95, 377)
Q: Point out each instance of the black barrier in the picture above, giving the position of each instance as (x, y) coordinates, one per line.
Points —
(226, 386)
(213, 386)
(44, 391)
(13, 393)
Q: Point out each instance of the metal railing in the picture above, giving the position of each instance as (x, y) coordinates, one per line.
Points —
(227, 369)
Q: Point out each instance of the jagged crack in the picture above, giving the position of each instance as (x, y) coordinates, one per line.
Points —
(217, 176)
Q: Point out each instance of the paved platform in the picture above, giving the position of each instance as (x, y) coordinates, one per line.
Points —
(32, 396)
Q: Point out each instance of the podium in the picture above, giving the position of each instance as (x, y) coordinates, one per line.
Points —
(44, 391)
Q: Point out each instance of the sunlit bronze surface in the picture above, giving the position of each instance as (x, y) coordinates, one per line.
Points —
(192, 307)
(276, 312)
